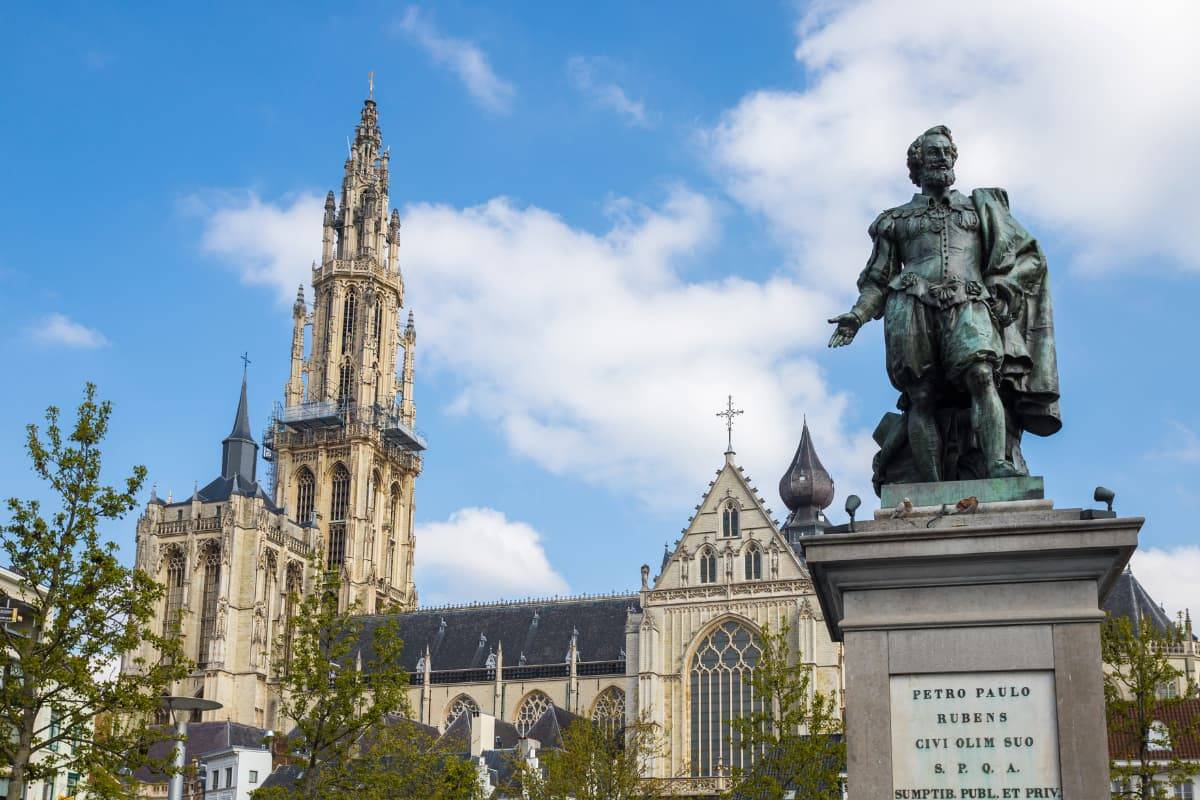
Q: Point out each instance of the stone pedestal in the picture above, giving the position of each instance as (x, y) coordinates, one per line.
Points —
(972, 646)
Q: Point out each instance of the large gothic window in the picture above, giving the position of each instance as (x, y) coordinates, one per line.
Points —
(349, 314)
(708, 566)
(720, 691)
(305, 495)
(176, 562)
(339, 505)
(378, 320)
(731, 526)
(211, 560)
(463, 704)
(531, 710)
(753, 559)
(609, 711)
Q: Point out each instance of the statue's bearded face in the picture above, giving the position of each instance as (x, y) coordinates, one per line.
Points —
(937, 162)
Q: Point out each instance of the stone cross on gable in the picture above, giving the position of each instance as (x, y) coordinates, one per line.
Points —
(729, 413)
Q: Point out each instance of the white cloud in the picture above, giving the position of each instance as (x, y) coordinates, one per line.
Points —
(593, 354)
(1169, 575)
(59, 329)
(465, 59)
(1085, 111)
(271, 245)
(479, 554)
(582, 72)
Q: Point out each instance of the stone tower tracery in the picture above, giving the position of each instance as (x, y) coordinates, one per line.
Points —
(345, 451)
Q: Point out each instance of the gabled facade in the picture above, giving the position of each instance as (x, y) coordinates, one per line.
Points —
(731, 575)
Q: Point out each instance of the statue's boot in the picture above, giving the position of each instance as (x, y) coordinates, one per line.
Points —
(1004, 469)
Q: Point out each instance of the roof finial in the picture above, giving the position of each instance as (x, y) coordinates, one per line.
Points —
(246, 359)
(729, 413)
(371, 85)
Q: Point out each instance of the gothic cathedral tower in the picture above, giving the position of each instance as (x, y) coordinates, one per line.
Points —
(345, 452)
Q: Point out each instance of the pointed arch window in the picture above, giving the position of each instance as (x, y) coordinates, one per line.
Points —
(349, 317)
(720, 673)
(305, 495)
(609, 711)
(339, 505)
(176, 561)
(378, 320)
(731, 524)
(532, 708)
(708, 566)
(211, 590)
(346, 386)
(463, 704)
(753, 563)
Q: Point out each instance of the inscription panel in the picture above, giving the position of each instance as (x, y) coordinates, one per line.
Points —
(985, 735)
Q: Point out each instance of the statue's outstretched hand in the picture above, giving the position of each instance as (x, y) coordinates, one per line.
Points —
(847, 326)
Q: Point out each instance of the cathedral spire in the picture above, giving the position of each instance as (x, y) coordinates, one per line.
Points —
(239, 451)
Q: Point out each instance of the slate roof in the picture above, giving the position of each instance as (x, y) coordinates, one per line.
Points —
(550, 726)
(202, 738)
(1182, 716)
(462, 638)
(1130, 599)
(457, 738)
(285, 775)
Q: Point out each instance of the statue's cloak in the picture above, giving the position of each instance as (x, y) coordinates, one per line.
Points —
(1029, 372)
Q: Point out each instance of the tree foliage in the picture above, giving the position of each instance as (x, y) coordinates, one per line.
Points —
(793, 735)
(1141, 714)
(80, 611)
(349, 707)
(596, 763)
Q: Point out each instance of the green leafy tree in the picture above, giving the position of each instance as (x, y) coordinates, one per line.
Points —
(79, 610)
(595, 763)
(1143, 717)
(793, 736)
(350, 714)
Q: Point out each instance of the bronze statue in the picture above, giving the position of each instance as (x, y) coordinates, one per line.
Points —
(968, 328)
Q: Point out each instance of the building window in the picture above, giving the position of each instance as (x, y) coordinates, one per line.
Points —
(720, 691)
(48, 787)
(176, 561)
(228, 777)
(532, 708)
(753, 559)
(378, 319)
(72, 783)
(609, 711)
(1185, 790)
(463, 704)
(346, 386)
(253, 776)
(305, 495)
(1158, 737)
(349, 312)
(731, 526)
(211, 559)
(216, 778)
(708, 566)
(339, 505)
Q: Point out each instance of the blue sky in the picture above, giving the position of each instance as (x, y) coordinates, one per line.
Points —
(613, 217)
